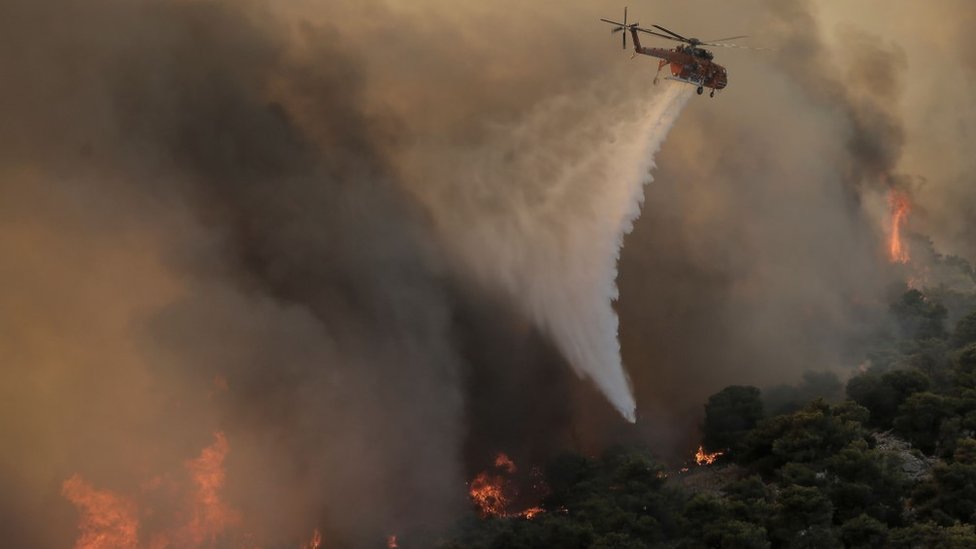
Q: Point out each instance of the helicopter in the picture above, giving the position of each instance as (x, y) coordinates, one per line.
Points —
(690, 62)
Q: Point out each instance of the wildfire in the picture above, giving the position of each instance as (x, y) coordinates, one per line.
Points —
(493, 493)
(900, 206)
(704, 458)
(532, 512)
(111, 521)
(315, 542)
(211, 516)
(391, 542)
(502, 461)
(108, 521)
(488, 493)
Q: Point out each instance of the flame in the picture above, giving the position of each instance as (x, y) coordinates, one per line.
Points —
(493, 493)
(211, 516)
(391, 542)
(532, 512)
(900, 207)
(108, 521)
(315, 542)
(502, 461)
(488, 493)
(703, 458)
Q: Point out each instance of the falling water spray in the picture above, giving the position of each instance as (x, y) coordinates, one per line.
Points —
(542, 208)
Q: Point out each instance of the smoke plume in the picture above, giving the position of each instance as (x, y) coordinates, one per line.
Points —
(371, 244)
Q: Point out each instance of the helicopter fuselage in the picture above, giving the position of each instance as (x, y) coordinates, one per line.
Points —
(689, 67)
(689, 64)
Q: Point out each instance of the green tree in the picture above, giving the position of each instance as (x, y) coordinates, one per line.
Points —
(929, 356)
(929, 534)
(702, 519)
(960, 536)
(919, 318)
(883, 394)
(737, 534)
(816, 537)
(965, 333)
(748, 499)
(729, 415)
(965, 452)
(863, 531)
(798, 510)
(950, 495)
(801, 474)
(964, 369)
(919, 534)
(868, 481)
(616, 540)
(920, 418)
(807, 436)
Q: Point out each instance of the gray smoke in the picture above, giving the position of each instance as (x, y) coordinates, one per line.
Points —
(293, 270)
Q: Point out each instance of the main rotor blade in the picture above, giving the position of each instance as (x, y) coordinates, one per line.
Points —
(739, 46)
(724, 39)
(672, 33)
(612, 22)
(661, 35)
(616, 30)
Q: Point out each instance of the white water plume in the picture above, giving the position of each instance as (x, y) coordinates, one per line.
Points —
(541, 210)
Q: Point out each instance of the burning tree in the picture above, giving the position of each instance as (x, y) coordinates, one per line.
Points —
(494, 491)
(704, 458)
(112, 521)
(107, 521)
(900, 206)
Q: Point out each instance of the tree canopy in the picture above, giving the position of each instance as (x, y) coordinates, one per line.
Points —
(893, 465)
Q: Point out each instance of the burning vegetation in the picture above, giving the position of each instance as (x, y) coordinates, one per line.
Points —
(494, 492)
(899, 206)
(285, 222)
(200, 517)
(315, 542)
(832, 466)
(488, 492)
(704, 458)
(107, 520)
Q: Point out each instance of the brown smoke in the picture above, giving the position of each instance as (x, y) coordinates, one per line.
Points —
(213, 219)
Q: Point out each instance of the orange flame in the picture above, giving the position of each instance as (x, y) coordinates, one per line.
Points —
(488, 493)
(391, 542)
(108, 521)
(900, 207)
(315, 542)
(492, 492)
(502, 461)
(704, 458)
(532, 512)
(211, 516)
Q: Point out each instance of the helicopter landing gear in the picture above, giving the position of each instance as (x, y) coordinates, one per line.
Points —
(656, 80)
(701, 90)
(712, 94)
